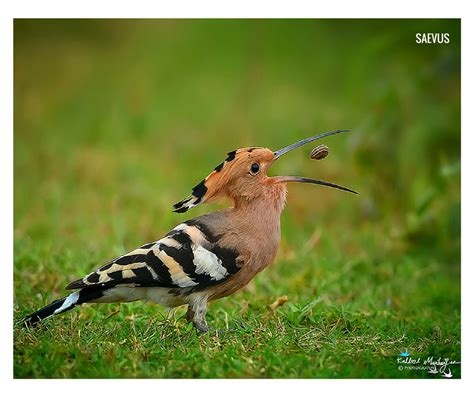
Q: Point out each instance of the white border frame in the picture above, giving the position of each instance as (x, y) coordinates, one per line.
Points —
(219, 9)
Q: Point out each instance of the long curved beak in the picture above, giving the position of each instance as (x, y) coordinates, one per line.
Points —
(287, 149)
(309, 180)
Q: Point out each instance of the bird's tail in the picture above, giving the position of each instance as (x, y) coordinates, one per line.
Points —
(62, 305)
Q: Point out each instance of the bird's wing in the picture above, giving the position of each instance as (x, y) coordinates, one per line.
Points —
(188, 256)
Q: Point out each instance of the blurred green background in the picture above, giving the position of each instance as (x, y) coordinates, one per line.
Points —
(116, 120)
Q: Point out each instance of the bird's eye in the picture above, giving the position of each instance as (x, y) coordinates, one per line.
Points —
(254, 168)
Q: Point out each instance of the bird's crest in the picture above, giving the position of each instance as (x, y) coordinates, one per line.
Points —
(211, 185)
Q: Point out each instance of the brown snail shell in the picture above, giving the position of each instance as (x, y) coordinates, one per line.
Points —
(319, 152)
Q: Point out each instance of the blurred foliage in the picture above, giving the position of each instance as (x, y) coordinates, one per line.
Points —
(115, 120)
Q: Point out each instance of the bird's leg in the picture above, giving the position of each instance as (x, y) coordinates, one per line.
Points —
(196, 313)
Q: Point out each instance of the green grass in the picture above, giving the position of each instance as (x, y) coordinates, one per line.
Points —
(308, 337)
(115, 121)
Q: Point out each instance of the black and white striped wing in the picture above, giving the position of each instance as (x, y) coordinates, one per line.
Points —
(188, 256)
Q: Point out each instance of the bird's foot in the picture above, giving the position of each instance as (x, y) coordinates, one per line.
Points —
(203, 328)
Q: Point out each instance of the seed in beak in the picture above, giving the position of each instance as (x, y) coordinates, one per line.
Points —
(319, 152)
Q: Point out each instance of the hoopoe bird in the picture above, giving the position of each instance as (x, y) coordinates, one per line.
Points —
(206, 258)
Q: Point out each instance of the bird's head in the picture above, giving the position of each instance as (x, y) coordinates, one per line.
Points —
(242, 176)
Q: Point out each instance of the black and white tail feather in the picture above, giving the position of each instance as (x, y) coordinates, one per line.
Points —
(63, 305)
(58, 306)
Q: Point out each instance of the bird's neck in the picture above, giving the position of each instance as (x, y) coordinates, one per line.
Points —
(266, 207)
(257, 222)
